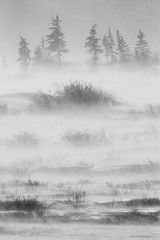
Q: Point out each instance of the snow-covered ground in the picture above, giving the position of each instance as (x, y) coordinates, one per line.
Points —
(131, 153)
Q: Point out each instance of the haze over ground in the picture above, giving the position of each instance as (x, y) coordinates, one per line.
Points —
(32, 19)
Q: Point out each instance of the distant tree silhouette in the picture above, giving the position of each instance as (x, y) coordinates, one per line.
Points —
(123, 49)
(55, 40)
(106, 47)
(92, 44)
(142, 49)
(38, 58)
(24, 54)
(111, 46)
(43, 48)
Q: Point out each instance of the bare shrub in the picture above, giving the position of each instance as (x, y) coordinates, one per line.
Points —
(145, 184)
(85, 165)
(153, 109)
(43, 101)
(26, 139)
(144, 202)
(22, 204)
(112, 156)
(83, 93)
(73, 93)
(115, 192)
(85, 181)
(83, 138)
(3, 109)
(30, 184)
(133, 203)
(60, 185)
(20, 171)
(76, 196)
(135, 216)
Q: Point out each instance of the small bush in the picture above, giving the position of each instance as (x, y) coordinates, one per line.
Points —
(145, 184)
(115, 193)
(73, 93)
(20, 171)
(35, 184)
(43, 101)
(3, 109)
(135, 203)
(152, 109)
(85, 165)
(82, 93)
(26, 139)
(134, 216)
(84, 181)
(22, 205)
(31, 183)
(76, 196)
(83, 138)
(144, 202)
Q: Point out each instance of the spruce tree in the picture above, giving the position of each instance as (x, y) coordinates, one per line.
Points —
(92, 44)
(111, 46)
(24, 53)
(106, 48)
(38, 56)
(41, 54)
(55, 40)
(43, 48)
(123, 49)
(142, 50)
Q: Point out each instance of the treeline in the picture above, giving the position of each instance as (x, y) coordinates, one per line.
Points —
(50, 51)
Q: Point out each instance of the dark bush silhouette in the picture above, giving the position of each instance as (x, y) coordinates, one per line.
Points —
(73, 93)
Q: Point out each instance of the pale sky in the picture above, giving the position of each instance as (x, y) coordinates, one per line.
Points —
(31, 19)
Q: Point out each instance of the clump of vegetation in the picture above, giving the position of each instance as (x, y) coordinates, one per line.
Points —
(85, 165)
(145, 184)
(85, 181)
(31, 183)
(153, 109)
(134, 203)
(76, 196)
(20, 171)
(144, 202)
(83, 93)
(114, 193)
(73, 94)
(83, 138)
(23, 205)
(44, 101)
(26, 139)
(3, 109)
(60, 185)
(35, 184)
(134, 216)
